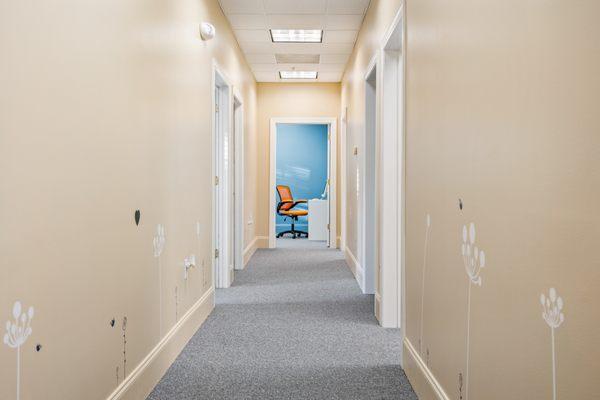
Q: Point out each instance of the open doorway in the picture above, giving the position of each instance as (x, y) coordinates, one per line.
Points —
(237, 173)
(228, 182)
(391, 280)
(369, 221)
(302, 183)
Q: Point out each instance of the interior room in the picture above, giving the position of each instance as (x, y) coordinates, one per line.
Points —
(438, 160)
(302, 174)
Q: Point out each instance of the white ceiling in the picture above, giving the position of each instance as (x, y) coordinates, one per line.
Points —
(340, 21)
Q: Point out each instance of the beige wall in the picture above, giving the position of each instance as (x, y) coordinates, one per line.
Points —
(502, 103)
(105, 108)
(288, 100)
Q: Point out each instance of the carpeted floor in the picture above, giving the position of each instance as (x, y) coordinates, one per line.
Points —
(293, 326)
(289, 243)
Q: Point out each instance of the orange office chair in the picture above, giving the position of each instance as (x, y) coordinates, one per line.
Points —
(285, 209)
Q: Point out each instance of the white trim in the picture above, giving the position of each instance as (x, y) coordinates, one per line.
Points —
(332, 122)
(392, 171)
(238, 259)
(355, 267)
(343, 171)
(128, 383)
(426, 373)
(369, 285)
(222, 276)
(250, 250)
(372, 64)
(251, 245)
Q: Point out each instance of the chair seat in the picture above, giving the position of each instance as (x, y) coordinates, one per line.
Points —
(294, 213)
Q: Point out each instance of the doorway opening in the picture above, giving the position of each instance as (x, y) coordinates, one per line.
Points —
(227, 167)
(302, 183)
(237, 217)
(369, 222)
(392, 176)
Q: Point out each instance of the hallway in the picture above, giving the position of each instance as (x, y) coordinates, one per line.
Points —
(294, 325)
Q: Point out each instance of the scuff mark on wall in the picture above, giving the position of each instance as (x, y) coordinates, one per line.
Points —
(428, 225)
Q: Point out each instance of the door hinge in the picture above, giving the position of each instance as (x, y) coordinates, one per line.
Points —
(216, 253)
(216, 180)
(216, 108)
(328, 227)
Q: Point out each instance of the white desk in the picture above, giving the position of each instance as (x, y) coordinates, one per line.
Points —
(317, 219)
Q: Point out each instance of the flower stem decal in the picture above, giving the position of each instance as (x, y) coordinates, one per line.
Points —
(428, 222)
(124, 329)
(16, 335)
(198, 233)
(159, 245)
(552, 313)
(474, 261)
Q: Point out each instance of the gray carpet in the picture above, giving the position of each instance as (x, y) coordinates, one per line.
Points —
(293, 326)
(289, 243)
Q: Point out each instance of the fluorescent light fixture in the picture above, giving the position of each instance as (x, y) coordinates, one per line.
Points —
(298, 74)
(297, 58)
(296, 35)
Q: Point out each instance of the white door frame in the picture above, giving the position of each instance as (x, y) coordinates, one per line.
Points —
(367, 273)
(343, 158)
(332, 123)
(393, 159)
(222, 111)
(238, 115)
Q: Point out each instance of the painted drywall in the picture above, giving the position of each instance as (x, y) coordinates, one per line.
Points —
(105, 109)
(301, 165)
(287, 100)
(502, 114)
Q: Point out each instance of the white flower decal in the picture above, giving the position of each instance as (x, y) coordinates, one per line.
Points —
(159, 240)
(552, 309)
(16, 335)
(18, 331)
(474, 261)
(473, 258)
(552, 306)
(159, 246)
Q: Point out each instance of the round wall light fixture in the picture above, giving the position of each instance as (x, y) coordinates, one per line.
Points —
(207, 31)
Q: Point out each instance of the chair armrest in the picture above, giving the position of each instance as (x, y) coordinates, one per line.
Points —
(301, 201)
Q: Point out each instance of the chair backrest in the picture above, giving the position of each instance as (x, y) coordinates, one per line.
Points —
(285, 194)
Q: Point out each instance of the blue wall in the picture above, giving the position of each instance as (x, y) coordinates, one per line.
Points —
(301, 165)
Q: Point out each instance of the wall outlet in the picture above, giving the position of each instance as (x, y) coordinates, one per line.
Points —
(188, 263)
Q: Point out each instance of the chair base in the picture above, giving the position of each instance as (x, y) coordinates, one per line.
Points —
(295, 234)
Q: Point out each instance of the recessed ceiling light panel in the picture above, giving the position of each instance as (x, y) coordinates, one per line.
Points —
(296, 35)
(297, 58)
(298, 74)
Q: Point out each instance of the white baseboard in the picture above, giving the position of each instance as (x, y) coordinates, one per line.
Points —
(378, 307)
(355, 267)
(351, 261)
(249, 251)
(140, 382)
(258, 242)
(262, 242)
(420, 376)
